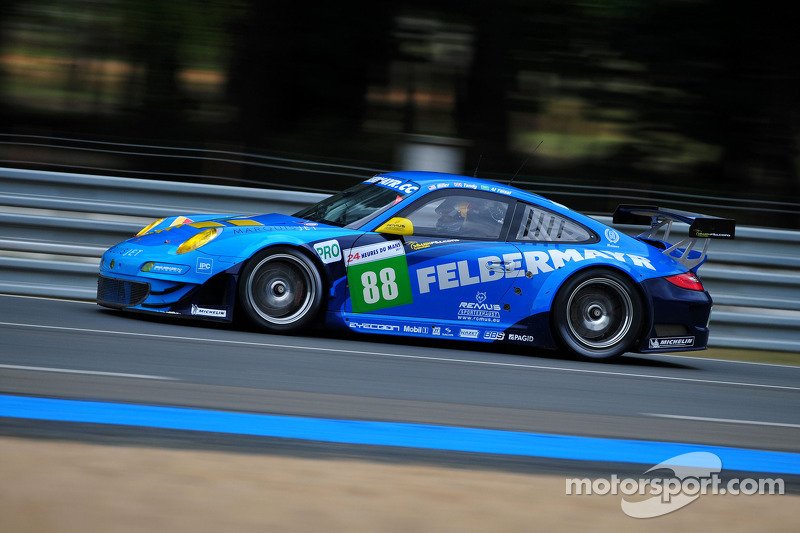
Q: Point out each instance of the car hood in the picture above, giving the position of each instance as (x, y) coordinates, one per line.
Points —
(241, 235)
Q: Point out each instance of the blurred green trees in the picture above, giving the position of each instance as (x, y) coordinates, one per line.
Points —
(675, 95)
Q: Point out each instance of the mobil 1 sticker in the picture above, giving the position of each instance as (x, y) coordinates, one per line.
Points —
(328, 251)
(377, 275)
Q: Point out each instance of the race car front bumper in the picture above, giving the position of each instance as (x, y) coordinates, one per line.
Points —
(214, 300)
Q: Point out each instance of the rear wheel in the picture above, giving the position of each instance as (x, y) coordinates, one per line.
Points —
(280, 290)
(597, 314)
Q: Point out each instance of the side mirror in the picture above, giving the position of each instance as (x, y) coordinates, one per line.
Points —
(396, 226)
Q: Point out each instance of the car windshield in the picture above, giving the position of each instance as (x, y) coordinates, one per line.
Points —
(354, 207)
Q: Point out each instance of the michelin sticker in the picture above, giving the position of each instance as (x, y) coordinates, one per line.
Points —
(377, 275)
(203, 311)
(658, 343)
(328, 251)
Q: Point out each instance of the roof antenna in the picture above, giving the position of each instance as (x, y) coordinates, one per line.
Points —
(524, 163)
(475, 175)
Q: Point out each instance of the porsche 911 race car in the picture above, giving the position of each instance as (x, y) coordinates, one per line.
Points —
(431, 255)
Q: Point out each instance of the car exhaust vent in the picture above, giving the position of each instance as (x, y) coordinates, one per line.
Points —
(112, 292)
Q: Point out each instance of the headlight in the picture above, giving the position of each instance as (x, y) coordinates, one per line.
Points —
(147, 229)
(201, 239)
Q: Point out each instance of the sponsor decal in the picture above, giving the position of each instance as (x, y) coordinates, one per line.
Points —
(405, 187)
(612, 236)
(163, 268)
(416, 329)
(437, 330)
(705, 235)
(479, 310)
(205, 265)
(372, 252)
(130, 252)
(204, 311)
(468, 333)
(670, 342)
(265, 229)
(328, 251)
(494, 335)
(370, 326)
(414, 245)
(467, 272)
(520, 338)
(377, 275)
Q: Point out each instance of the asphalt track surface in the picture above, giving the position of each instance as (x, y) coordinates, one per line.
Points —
(77, 351)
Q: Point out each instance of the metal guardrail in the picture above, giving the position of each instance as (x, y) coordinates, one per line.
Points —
(55, 226)
(755, 283)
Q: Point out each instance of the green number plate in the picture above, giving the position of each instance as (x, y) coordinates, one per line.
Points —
(379, 284)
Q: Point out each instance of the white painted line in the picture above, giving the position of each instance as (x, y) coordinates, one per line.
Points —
(407, 356)
(86, 372)
(673, 356)
(725, 420)
(49, 298)
(699, 357)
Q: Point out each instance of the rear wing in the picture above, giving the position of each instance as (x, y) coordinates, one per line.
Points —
(700, 227)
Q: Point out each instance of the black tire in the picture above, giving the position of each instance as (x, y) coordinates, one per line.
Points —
(597, 315)
(280, 290)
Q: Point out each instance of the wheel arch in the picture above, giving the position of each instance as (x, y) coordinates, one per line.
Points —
(546, 293)
(600, 267)
(299, 248)
(569, 286)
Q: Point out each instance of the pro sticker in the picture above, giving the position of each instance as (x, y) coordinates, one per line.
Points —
(328, 251)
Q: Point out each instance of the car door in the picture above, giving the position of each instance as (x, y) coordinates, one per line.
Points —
(547, 241)
(455, 268)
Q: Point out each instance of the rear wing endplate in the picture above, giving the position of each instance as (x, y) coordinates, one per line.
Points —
(700, 227)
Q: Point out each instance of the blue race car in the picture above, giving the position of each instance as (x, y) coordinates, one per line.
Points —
(430, 255)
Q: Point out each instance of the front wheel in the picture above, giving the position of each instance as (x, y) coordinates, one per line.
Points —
(597, 314)
(280, 290)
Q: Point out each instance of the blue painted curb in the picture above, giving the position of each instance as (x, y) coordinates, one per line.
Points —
(391, 434)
